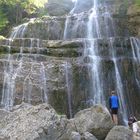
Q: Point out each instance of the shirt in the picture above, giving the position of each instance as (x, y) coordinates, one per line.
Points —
(113, 101)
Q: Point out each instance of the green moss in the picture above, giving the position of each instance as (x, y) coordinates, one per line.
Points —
(137, 2)
(2, 37)
(58, 101)
(4, 50)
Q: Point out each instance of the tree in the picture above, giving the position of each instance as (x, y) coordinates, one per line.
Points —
(12, 12)
(3, 20)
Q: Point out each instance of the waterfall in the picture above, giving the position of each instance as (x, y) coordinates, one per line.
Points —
(99, 25)
(97, 93)
(68, 19)
(68, 74)
(93, 22)
(119, 86)
(27, 89)
(101, 62)
(8, 84)
(18, 32)
(43, 83)
(135, 44)
(14, 70)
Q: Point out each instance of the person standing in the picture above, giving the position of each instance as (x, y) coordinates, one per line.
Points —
(114, 105)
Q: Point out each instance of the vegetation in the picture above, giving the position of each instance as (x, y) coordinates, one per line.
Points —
(12, 12)
(137, 2)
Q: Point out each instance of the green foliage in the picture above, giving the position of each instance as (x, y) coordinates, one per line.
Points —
(137, 2)
(3, 20)
(13, 12)
(2, 37)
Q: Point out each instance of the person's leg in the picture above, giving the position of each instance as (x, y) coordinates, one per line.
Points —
(114, 115)
(113, 118)
(116, 119)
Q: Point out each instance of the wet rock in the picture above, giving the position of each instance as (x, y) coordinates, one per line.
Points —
(95, 120)
(41, 28)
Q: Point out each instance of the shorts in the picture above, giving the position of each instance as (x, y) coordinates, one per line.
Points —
(114, 110)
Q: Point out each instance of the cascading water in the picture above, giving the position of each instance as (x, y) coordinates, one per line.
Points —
(68, 74)
(99, 25)
(8, 84)
(135, 44)
(119, 85)
(32, 71)
(92, 52)
(43, 83)
(14, 69)
(66, 33)
(18, 32)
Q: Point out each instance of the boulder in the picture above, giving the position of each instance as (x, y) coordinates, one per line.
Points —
(95, 120)
(58, 8)
(32, 123)
(3, 114)
(75, 136)
(136, 128)
(42, 122)
(120, 133)
(88, 136)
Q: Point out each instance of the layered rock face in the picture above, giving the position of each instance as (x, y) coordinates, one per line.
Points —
(133, 19)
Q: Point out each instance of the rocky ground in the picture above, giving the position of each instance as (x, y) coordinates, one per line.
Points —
(27, 122)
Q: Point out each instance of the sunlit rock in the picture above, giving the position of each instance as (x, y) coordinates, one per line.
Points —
(58, 8)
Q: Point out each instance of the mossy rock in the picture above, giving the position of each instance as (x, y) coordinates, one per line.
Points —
(2, 37)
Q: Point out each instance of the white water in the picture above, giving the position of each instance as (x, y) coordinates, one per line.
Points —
(12, 73)
(68, 19)
(18, 32)
(43, 83)
(91, 50)
(68, 74)
(135, 44)
(8, 85)
(95, 32)
(119, 87)
(93, 23)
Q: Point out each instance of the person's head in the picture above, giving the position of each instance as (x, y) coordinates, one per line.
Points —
(112, 92)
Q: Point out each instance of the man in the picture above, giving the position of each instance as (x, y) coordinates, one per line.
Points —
(114, 105)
